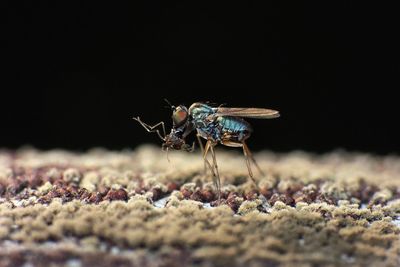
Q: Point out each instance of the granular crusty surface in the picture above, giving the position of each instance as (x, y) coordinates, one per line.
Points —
(134, 208)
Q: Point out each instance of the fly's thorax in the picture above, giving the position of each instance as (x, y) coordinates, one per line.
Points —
(200, 110)
(201, 115)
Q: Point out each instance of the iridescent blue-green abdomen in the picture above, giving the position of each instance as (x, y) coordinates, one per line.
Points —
(237, 128)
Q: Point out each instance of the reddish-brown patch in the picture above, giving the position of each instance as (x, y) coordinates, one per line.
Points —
(103, 190)
(35, 180)
(186, 192)
(365, 191)
(95, 198)
(300, 196)
(207, 195)
(285, 198)
(233, 201)
(157, 193)
(326, 198)
(291, 188)
(196, 196)
(266, 192)
(119, 194)
(16, 186)
(251, 195)
(172, 186)
(83, 194)
(2, 189)
(306, 194)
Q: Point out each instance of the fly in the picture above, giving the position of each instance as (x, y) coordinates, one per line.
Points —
(217, 125)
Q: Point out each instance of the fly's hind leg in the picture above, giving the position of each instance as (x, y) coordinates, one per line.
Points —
(247, 151)
(249, 156)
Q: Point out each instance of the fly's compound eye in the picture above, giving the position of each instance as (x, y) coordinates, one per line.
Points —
(179, 116)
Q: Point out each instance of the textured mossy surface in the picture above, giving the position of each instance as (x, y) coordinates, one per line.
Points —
(134, 208)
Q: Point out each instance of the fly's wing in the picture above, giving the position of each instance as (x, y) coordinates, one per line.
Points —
(255, 113)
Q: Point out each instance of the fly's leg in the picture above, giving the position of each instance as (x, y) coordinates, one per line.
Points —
(200, 143)
(247, 154)
(250, 155)
(202, 151)
(217, 178)
(152, 129)
(207, 163)
(213, 168)
(247, 157)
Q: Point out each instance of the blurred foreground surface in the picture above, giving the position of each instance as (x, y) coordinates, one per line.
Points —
(134, 208)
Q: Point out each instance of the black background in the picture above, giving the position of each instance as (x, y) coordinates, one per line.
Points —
(76, 73)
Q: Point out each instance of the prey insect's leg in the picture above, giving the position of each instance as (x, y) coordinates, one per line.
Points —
(202, 151)
(245, 147)
(152, 129)
(218, 180)
(214, 172)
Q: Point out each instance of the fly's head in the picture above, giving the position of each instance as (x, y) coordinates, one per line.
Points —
(180, 117)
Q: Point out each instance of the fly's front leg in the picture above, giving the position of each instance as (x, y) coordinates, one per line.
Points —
(152, 129)
(202, 152)
(218, 180)
(213, 168)
(206, 162)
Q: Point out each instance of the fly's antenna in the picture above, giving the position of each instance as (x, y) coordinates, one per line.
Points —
(221, 105)
(169, 104)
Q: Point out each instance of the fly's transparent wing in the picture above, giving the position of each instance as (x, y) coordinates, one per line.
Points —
(255, 113)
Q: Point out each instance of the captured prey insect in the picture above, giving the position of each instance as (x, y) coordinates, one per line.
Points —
(217, 125)
(181, 128)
